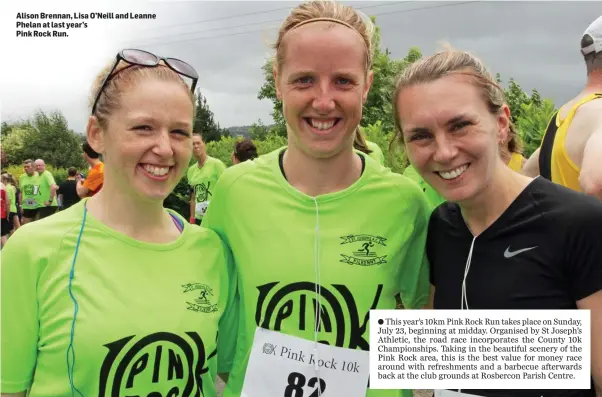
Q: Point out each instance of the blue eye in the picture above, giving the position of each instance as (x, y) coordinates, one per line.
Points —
(343, 81)
(304, 80)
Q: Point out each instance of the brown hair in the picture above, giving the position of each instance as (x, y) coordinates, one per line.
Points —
(359, 142)
(125, 76)
(449, 62)
(328, 11)
(245, 150)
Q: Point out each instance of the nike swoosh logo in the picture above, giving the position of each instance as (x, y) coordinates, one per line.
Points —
(510, 254)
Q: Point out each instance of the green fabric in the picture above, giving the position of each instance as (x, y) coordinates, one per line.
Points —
(372, 239)
(202, 180)
(433, 198)
(12, 195)
(377, 153)
(30, 191)
(145, 310)
(46, 181)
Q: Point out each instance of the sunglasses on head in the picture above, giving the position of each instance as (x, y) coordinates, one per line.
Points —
(145, 58)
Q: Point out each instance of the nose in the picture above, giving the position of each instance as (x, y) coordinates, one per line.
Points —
(324, 99)
(445, 150)
(163, 147)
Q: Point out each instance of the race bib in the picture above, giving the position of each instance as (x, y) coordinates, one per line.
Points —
(285, 366)
(30, 202)
(449, 393)
(201, 208)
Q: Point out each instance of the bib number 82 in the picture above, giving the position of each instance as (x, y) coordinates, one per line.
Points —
(296, 382)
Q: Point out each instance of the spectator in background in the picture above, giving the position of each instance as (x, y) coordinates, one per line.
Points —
(13, 194)
(244, 150)
(48, 188)
(29, 184)
(89, 186)
(202, 177)
(4, 211)
(68, 189)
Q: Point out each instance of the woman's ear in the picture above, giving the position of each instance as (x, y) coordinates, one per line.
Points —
(94, 135)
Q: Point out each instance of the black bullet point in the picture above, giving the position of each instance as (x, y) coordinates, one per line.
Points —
(381, 322)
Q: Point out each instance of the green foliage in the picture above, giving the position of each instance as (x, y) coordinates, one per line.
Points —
(395, 157)
(204, 122)
(529, 113)
(44, 136)
(179, 199)
(533, 122)
(259, 131)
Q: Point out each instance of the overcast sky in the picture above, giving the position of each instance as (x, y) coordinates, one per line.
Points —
(536, 43)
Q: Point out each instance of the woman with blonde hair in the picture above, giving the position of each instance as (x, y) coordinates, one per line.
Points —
(320, 234)
(118, 295)
(502, 240)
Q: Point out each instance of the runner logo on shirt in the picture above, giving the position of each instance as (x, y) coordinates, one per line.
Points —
(365, 252)
(292, 307)
(202, 192)
(203, 293)
(31, 190)
(151, 365)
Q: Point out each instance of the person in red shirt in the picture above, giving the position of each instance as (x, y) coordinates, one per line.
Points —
(4, 211)
(89, 186)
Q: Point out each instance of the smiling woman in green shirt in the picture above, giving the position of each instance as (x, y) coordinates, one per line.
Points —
(118, 296)
(320, 233)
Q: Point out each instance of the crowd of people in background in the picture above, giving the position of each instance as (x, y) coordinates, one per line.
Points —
(36, 195)
(299, 244)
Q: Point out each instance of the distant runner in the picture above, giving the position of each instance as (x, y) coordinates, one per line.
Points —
(202, 177)
(570, 150)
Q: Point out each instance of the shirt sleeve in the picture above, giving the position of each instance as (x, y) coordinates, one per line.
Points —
(414, 274)
(20, 327)
(94, 179)
(584, 253)
(49, 179)
(228, 327)
(221, 167)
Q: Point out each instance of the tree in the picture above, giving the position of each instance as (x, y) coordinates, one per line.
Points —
(268, 91)
(45, 136)
(259, 131)
(533, 122)
(204, 122)
(529, 113)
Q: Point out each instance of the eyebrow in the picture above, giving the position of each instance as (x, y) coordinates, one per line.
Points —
(456, 119)
(453, 120)
(339, 73)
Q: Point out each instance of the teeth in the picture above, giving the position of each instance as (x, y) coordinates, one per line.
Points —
(157, 171)
(453, 173)
(322, 125)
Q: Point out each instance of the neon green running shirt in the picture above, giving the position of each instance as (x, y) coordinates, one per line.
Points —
(30, 191)
(147, 317)
(202, 181)
(433, 198)
(372, 247)
(12, 194)
(46, 181)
